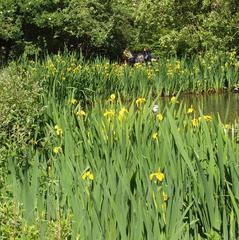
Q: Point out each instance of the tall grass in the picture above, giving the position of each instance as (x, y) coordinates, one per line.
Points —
(209, 73)
(118, 199)
(102, 165)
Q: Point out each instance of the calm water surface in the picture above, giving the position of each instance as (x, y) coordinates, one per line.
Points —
(225, 105)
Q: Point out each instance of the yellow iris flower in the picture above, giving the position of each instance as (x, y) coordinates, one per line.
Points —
(81, 113)
(58, 130)
(73, 101)
(195, 122)
(140, 101)
(157, 175)
(159, 117)
(190, 110)
(155, 136)
(57, 150)
(87, 175)
(174, 100)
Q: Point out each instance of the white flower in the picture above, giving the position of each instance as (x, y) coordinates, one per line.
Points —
(155, 108)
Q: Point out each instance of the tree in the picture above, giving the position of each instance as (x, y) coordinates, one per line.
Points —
(95, 26)
(105, 27)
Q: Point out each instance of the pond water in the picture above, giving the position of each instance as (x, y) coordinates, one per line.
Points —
(225, 105)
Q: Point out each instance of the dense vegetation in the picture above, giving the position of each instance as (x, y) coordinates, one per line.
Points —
(106, 27)
(79, 163)
(84, 151)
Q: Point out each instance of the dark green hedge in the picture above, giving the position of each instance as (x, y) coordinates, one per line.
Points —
(105, 27)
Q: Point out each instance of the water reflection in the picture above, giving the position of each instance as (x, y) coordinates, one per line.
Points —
(225, 105)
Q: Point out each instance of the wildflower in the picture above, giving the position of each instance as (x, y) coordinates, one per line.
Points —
(174, 100)
(195, 122)
(138, 65)
(170, 72)
(190, 110)
(109, 113)
(155, 136)
(112, 98)
(178, 65)
(159, 116)
(227, 126)
(122, 112)
(87, 175)
(207, 118)
(57, 150)
(58, 130)
(140, 101)
(73, 101)
(157, 175)
(150, 73)
(165, 196)
(81, 113)
(51, 66)
(155, 108)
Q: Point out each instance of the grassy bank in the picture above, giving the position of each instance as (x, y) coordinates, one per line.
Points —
(201, 74)
(98, 163)
(117, 172)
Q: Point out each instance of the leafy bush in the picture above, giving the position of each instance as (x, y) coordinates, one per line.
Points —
(106, 27)
(19, 110)
(19, 105)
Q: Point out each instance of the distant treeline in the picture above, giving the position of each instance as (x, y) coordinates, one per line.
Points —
(106, 27)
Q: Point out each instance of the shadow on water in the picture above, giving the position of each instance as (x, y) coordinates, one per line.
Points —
(225, 105)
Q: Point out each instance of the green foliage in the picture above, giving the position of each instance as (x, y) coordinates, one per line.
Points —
(13, 226)
(121, 200)
(89, 25)
(89, 79)
(20, 111)
(83, 169)
(106, 27)
(188, 26)
(19, 103)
